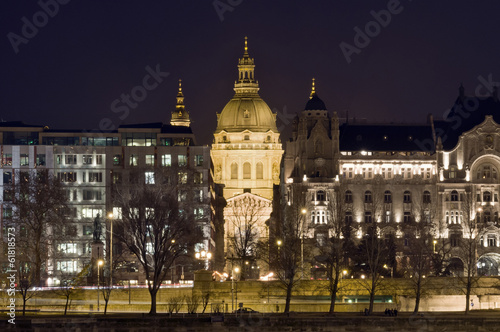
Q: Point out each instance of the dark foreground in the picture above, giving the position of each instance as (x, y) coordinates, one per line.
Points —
(300, 322)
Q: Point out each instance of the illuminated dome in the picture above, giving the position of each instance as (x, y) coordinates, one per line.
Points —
(246, 110)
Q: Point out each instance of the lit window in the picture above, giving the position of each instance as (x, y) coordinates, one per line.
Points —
(166, 160)
(260, 171)
(24, 159)
(247, 171)
(198, 178)
(149, 177)
(150, 159)
(117, 213)
(182, 177)
(67, 248)
(87, 159)
(182, 159)
(134, 160)
(198, 160)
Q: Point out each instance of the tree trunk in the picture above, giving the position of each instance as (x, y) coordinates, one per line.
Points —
(24, 304)
(38, 264)
(66, 307)
(372, 297)
(106, 305)
(417, 294)
(288, 296)
(153, 292)
(467, 295)
(334, 288)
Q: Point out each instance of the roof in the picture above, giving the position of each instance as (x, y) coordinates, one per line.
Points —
(315, 104)
(465, 114)
(386, 137)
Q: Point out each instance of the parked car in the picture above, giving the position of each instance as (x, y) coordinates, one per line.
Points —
(246, 311)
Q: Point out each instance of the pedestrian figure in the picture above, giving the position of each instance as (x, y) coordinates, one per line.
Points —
(471, 304)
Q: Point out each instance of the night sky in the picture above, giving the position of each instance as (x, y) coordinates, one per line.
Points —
(90, 52)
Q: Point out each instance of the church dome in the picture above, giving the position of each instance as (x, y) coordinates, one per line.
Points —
(247, 113)
(314, 103)
(246, 110)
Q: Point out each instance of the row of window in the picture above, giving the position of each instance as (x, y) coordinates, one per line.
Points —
(247, 171)
(368, 197)
(386, 173)
(24, 159)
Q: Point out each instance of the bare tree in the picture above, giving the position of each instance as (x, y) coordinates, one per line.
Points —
(153, 227)
(468, 245)
(192, 302)
(373, 252)
(417, 255)
(245, 228)
(26, 283)
(286, 254)
(40, 205)
(69, 285)
(333, 253)
(174, 304)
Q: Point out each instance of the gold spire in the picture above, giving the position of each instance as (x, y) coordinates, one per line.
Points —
(246, 46)
(180, 117)
(313, 89)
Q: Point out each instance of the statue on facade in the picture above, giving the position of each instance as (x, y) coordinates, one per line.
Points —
(97, 230)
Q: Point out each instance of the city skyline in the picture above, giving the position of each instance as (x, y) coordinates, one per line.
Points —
(390, 61)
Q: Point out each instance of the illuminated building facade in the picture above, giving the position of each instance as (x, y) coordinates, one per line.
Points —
(398, 175)
(90, 163)
(246, 155)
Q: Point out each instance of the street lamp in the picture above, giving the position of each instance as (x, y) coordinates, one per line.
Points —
(235, 270)
(99, 263)
(386, 267)
(110, 217)
(434, 245)
(303, 212)
(205, 256)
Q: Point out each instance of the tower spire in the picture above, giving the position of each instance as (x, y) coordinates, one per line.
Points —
(180, 117)
(313, 89)
(246, 80)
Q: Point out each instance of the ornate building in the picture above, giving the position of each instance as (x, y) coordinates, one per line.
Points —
(396, 176)
(246, 153)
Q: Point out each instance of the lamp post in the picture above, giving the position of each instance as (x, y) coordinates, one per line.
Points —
(99, 263)
(434, 245)
(303, 212)
(205, 256)
(236, 270)
(110, 217)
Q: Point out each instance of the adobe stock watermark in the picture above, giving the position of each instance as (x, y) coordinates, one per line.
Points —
(30, 28)
(11, 272)
(223, 6)
(128, 101)
(283, 118)
(461, 112)
(371, 30)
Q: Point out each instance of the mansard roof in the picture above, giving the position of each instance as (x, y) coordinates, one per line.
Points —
(465, 114)
(386, 137)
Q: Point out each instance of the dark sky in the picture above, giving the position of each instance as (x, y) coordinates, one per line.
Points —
(90, 52)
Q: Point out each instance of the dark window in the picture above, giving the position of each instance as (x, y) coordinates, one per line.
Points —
(407, 197)
(407, 218)
(320, 196)
(387, 197)
(348, 196)
(454, 196)
(486, 196)
(368, 196)
(368, 217)
(426, 197)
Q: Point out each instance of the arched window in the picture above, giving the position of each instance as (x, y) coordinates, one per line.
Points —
(348, 196)
(368, 217)
(387, 197)
(486, 172)
(234, 171)
(260, 170)
(454, 196)
(368, 196)
(407, 197)
(247, 171)
(320, 195)
(486, 196)
(426, 197)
